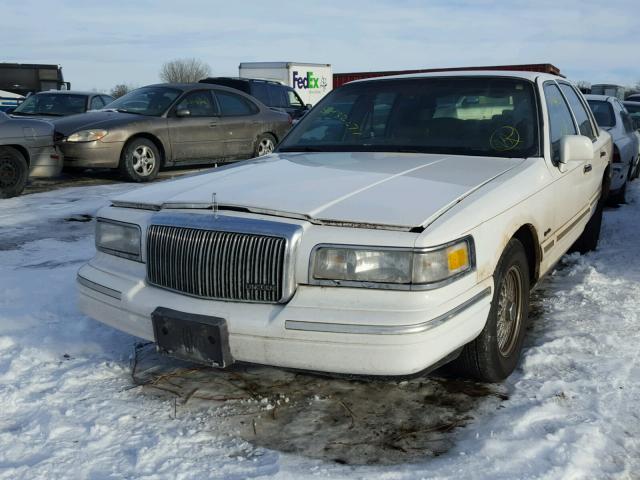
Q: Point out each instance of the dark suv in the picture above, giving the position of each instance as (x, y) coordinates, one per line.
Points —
(272, 94)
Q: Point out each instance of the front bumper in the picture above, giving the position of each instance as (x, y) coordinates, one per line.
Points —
(91, 154)
(618, 176)
(45, 162)
(339, 330)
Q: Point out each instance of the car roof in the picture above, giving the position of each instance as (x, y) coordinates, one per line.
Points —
(70, 92)
(243, 79)
(532, 76)
(185, 87)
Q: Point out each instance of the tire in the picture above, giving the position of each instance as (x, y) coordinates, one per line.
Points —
(588, 241)
(265, 145)
(619, 197)
(495, 353)
(14, 172)
(140, 160)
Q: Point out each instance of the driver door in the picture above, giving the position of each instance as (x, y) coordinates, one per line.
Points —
(570, 184)
(194, 129)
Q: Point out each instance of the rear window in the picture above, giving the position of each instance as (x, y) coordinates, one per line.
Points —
(56, 104)
(603, 112)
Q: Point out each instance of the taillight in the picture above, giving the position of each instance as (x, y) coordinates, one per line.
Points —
(616, 156)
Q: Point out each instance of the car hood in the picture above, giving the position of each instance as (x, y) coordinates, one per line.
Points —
(97, 119)
(378, 190)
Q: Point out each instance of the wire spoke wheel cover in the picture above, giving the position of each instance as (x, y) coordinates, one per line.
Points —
(144, 160)
(509, 311)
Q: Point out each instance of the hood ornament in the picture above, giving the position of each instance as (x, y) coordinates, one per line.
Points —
(214, 205)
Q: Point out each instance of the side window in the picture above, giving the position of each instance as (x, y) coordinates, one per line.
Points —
(96, 103)
(234, 105)
(278, 96)
(582, 117)
(560, 120)
(199, 103)
(294, 99)
(259, 90)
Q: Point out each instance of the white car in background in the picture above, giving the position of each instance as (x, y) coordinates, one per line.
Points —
(612, 116)
(400, 224)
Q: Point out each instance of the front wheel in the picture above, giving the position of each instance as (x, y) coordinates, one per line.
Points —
(265, 145)
(494, 354)
(14, 172)
(140, 160)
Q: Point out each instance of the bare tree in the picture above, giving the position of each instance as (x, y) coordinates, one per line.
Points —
(184, 70)
(120, 90)
(583, 85)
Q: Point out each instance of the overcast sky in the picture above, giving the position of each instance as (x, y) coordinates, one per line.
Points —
(102, 43)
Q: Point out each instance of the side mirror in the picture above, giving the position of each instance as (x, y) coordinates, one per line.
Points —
(308, 106)
(183, 112)
(9, 110)
(574, 148)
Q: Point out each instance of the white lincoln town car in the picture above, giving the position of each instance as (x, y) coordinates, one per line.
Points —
(399, 226)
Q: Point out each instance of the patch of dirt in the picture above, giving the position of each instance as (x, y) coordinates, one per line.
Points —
(348, 421)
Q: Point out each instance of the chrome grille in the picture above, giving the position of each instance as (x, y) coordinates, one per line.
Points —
(216, 264)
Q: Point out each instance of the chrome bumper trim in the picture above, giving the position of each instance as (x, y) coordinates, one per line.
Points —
(110, 292)
(386, 329)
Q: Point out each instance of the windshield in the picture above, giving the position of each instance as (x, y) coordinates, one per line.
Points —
(603, 111)
(632, 108)
(152, 101)
(55, 104)
(460, 115)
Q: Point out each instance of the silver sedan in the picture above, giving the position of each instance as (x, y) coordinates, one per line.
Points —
(26, 149)
(612, 116)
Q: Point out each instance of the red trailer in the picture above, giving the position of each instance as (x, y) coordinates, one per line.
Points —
(342, 78)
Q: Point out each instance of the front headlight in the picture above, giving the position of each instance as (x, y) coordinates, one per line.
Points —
(118, 238)
(87, 136)
(391, 267)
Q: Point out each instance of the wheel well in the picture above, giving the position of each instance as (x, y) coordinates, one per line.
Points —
(273, 135)
(528, 237)
(156, 141)
(22, 150)
(606, 183)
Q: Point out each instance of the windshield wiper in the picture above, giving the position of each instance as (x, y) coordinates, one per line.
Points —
(48, 114)
(301, 149)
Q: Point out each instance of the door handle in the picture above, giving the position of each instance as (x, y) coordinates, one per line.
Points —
(603, 154)
(587, 168)
(213, 124)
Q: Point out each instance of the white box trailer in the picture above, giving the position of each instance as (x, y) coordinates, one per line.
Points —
(311, 81)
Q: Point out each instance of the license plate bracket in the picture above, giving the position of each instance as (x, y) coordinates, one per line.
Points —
(192, 337)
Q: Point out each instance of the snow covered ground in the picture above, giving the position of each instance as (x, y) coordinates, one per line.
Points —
(71, 406)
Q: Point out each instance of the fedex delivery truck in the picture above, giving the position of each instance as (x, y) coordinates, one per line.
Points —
(311, 81)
